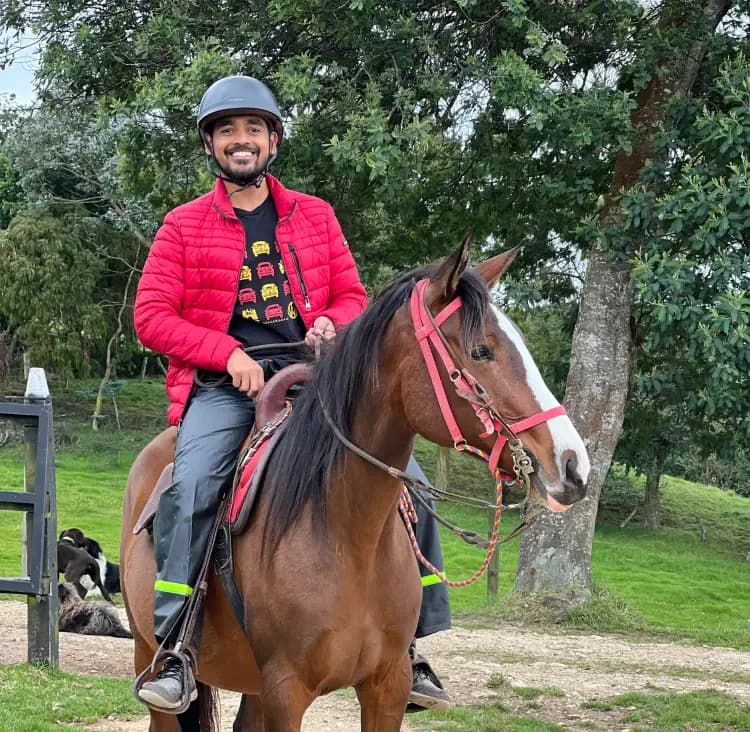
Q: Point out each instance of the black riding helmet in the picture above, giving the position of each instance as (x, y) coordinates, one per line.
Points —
(239, 95)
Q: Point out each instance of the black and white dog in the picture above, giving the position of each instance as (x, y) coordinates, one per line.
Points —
(80, 569)
(88, 618)
(110, 572)
(108, 582)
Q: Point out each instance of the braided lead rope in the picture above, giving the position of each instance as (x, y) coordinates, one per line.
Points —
(409, 515)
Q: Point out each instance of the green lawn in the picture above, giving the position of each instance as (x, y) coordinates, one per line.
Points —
(679, 585)
(696, 711)
(89, 496)
(34, 699)
(701, 591)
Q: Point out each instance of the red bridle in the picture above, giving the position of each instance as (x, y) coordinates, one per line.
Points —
(429, 335)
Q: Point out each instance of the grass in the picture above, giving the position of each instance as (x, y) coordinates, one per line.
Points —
(667, 583)
(488, 718)
(532, 692)
(89, 495)
(703, 589)
(724, 514)
(34, 699)
(697, 711)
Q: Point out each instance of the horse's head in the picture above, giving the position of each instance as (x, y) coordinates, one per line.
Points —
(482, 368)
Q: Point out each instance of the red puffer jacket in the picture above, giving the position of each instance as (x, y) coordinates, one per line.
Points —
(189, 284)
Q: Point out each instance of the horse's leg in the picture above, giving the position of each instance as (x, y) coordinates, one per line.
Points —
(202, 714)
(284, 701)
(163, 722)
(250, 715)
(383, 700)
(190, 720)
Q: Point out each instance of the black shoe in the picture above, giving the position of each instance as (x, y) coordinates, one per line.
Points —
(167, 691)
(426, 690)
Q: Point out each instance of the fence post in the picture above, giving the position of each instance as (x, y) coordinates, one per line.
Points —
(42, 622)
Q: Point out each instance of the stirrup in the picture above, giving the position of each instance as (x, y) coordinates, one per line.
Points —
(151, 672)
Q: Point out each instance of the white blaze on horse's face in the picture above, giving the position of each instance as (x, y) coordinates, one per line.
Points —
(566, 440)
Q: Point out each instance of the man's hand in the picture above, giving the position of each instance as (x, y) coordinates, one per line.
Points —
(247, 375)
(323, 327)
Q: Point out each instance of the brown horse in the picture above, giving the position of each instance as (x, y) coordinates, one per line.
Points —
(328, 577)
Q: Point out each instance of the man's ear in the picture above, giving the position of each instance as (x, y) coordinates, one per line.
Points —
(445, 281)
(273, 142)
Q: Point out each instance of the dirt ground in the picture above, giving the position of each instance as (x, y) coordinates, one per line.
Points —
(475, 665)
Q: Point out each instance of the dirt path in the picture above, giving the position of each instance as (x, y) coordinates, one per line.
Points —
(476, 665)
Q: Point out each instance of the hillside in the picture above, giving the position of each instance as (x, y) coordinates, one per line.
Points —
(667, 582)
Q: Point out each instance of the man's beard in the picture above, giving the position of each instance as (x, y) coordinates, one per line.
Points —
(244, 174)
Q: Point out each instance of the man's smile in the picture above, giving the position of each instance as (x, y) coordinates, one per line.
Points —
(242, 155)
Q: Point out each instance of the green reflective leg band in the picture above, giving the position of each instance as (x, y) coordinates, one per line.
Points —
(175, 588)
(430, 579)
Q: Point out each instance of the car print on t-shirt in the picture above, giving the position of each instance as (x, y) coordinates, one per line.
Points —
(260, 247)
(265, 312)
(273, 312)
(269, 291)
(265, 269)
(247, 295)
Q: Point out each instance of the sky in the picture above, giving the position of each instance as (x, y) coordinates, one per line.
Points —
(18, 78)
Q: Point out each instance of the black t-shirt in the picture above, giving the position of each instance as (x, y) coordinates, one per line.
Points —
(264, 312)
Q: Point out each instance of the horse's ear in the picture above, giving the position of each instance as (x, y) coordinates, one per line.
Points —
(449, 273)
(493, 269)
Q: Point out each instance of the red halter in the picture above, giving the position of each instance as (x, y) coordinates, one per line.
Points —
(428, 333)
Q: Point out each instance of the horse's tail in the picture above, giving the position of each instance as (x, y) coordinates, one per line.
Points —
(204, 713)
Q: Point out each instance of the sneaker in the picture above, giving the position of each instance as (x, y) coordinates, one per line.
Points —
(426, 690)
(166, 691)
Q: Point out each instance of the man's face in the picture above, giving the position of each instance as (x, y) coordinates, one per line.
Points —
(242, 145)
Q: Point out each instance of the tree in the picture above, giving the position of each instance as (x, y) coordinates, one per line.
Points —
(418, 120)
(692, 274)
(10, 193)
(52, 286)
(414, 119)
(64, 171)
(556, 551)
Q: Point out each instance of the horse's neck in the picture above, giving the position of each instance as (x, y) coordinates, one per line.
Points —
(367, 494)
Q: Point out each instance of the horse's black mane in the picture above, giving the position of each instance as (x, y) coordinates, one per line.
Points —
(300, 467)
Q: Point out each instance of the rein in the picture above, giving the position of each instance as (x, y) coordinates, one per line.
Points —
(430, 337)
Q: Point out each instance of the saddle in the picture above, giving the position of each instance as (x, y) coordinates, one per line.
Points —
(272, 408)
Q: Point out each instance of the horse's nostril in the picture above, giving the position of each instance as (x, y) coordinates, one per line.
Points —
(571, 471)
(573, 481)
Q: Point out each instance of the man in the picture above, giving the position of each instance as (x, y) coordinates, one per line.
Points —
(251, 263)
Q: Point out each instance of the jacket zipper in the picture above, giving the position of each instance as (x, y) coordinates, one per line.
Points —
(299, 276)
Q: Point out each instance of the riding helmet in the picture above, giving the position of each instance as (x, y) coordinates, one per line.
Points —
(239, 95)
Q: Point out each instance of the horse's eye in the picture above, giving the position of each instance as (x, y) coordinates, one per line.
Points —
(482, 352)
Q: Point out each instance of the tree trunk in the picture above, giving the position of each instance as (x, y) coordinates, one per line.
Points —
(493, 568)
(555, 552)
(441, 468)
(109, 358)
(653, 482)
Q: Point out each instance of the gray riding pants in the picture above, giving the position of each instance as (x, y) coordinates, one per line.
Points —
(435, 613)
(208, 442)
(212, 429)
